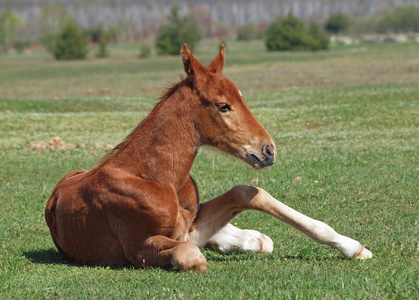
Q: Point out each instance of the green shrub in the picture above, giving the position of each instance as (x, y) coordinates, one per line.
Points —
(336, 23)
(9, 23)
(400, 19)
(102, 51)
(170, 37)
(21, 45)
(95, 34)
(70, 42)
(320, 39)
(290, 33)
(145, 51)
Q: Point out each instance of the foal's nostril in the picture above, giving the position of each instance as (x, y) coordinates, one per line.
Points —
(267, 151)
(264, 159)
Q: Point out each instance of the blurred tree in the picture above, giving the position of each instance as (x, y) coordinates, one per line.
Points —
(21, 45)
(70, 42)
(170, 37)
(102, 50)
(145, 51)
(9, 23)
(320, 39)
(400, 19)
(96, 34)
(290, 33)
(336, 23)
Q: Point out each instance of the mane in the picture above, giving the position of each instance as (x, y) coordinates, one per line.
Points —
(169, 93)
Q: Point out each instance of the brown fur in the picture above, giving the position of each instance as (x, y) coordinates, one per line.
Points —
(140, 203)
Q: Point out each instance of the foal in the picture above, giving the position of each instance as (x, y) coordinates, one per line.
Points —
(141, 206)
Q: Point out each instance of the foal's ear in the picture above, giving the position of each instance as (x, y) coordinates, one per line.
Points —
(192, 66)
(217, 63)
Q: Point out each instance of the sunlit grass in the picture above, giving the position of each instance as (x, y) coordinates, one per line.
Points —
(254, 70)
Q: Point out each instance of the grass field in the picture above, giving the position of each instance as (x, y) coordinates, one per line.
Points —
(345, 121)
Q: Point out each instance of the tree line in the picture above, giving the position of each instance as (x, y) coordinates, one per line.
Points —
(64, 38)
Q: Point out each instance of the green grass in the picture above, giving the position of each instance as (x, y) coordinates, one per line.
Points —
(346, 121)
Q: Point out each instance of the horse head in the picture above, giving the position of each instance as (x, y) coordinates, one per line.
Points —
(224, 120)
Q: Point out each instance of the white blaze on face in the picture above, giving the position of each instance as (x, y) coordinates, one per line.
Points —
(240, 93)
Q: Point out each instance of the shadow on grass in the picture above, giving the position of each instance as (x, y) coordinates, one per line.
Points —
(53, 257)
(47, 256)
(236, 256)
(311, 258)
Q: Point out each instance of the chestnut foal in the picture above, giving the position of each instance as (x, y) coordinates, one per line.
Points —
(141, 206)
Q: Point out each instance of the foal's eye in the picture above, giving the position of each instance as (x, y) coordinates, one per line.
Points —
(223, 107)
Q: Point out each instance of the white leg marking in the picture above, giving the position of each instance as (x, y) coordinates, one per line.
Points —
(317, 230)
(231, 238)
(210, 224)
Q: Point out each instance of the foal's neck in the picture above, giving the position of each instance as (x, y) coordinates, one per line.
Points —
(163, 147)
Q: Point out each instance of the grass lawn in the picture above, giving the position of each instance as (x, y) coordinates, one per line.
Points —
(345, 121)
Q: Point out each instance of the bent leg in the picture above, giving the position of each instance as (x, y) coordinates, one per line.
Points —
(215, 214)
(160, 251)
(231, 238)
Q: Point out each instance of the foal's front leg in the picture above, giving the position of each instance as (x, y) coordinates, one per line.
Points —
(230, 238)
(215, 214)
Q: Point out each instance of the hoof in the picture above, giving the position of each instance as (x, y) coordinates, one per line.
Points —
(364, 254)
(267, 244)
(255, 241)
(188, 257)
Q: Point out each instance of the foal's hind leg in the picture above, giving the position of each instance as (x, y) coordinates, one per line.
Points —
(162, 251)
(215, 214)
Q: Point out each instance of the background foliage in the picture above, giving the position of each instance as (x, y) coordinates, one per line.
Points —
(401, 19)
(179, 30)
(336, 23)
(9, 23)
(371, 21)
(290, 33)
(70, 42)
